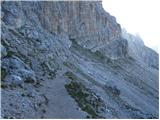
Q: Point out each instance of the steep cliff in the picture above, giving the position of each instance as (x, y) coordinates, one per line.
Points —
(69, 60)
(140, 52)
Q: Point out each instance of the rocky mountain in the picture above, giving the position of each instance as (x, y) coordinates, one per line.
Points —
(69, 59)
(139, 51)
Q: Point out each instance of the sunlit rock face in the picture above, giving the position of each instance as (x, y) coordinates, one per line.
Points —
(87, 22)
(70, 60)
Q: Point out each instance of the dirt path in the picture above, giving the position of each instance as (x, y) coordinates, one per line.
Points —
(60, 104)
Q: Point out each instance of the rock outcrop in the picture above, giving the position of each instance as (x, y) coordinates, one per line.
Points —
(70, 60)
(140, 52)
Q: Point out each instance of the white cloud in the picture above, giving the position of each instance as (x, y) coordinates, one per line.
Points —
(137, 16)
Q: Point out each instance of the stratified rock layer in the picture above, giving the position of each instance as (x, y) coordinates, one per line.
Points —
(69, 60)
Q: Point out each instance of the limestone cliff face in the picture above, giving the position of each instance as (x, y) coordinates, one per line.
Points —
(86, 22)
(69, 60)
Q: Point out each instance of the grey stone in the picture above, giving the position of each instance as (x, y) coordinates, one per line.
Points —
(13, 80)
(27, 75)
(3, 51)
(13, 63)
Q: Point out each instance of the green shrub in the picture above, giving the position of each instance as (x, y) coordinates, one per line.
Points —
(86, 99)
(3, 73)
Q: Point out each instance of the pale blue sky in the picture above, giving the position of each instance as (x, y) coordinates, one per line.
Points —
(137, 16)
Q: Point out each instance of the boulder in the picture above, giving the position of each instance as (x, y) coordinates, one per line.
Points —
(3, 51)
(13, 80)
(27, 75)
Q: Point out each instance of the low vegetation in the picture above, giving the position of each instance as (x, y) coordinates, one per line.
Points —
(87, 100)
(3, 73)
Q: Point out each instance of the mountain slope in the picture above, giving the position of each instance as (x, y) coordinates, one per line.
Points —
(69, 60)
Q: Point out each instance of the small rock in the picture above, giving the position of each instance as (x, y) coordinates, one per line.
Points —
(14, 80)
(3, 51)
(13, 63)
(28, 75)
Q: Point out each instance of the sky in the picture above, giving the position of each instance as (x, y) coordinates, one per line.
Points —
(138, 16)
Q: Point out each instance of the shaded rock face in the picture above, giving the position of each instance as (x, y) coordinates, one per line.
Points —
(140, 52)
(115, 49)
(69, 60)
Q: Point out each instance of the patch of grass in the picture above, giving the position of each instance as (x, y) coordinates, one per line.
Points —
(108, 60)
(46, 100)
(10, 104)
(71, 76)
(87, 100)
(23, 95)
(131, 58)
(43, 111)
(29, 81)
(95, 56)
(4, 86)
(99, 55)
(10, 54)
(71, 66)
(3, 73)
(48, 71)
(24, 58)
(29, 95)
(112, 90)
(38, 84)
(86, 52)
(155, 67)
